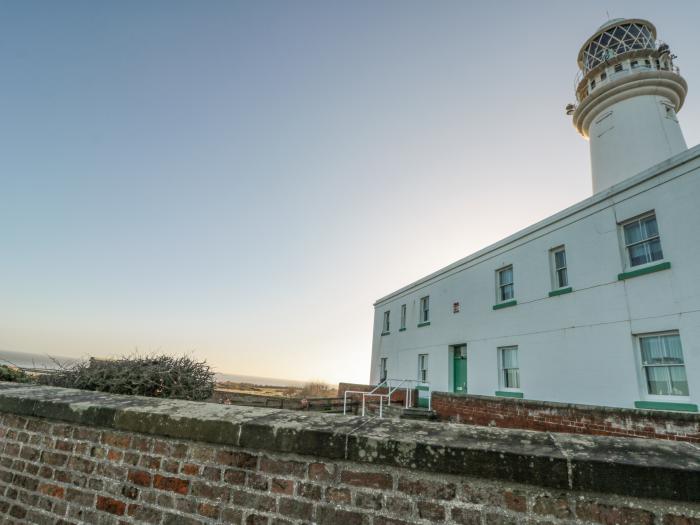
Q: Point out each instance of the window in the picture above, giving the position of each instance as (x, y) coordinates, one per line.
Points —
(510, 373)
(423, 368)
(386, 324)
(603, 76)
(592, 84)
(642, 241)
(403, 317)
(425, 309)
(560, 274)
(634, 64)
(505, 284)
(663, 365)
(618, 68)
(382, 370)
(647, 62)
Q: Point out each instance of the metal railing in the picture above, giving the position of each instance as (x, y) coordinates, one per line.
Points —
(391, 385)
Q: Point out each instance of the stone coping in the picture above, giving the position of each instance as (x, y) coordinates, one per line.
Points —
(637, 413)
(625, 466)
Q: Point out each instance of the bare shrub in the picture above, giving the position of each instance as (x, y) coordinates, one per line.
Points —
(316, 388)
(149, 375)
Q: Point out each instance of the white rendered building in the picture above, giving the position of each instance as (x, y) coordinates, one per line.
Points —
(598, 304)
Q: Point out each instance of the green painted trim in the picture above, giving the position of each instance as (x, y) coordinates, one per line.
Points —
(498, 306)
(427, 323)
(659, 405)
(643, 271)
(419, 387)
(386, 333)
(505, 393)
(560, 291)
(402, 329)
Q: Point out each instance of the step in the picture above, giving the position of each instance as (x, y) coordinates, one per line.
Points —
(418, 413)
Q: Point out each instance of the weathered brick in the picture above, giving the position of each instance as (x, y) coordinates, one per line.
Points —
(171, 484)
(256, 519)
(383, 520)
(499, 519)
(190, 469)
(29, 453)
(209, 511)
(309, 491)
(55, 491)
(233, 516)
(235, 477)
(464, 516)
(211, 473)
(115, 439)
(430, 510)
(368, 500)
(201, 489)
(241, 460)
(283, 467)
(257, 481)
(294, 508)
(557, 506)
(150, 462)
(79, 497)
(326, 515)
(376, 480)
(170, 466)
(144, 514)
(338, 495)
(140, 443)
(282, 486)
(612, 515)
(86, 466)
(111, 505)
(516, 501)
(55, 459)
(427, 489)
(252, 500)
(321, 471)
(140, 477)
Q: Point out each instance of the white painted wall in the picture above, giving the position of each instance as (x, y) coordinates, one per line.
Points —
(631, 136)
(579, 347)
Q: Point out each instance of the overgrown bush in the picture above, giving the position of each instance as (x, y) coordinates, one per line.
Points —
(154, 376)
(15, 375)
(317, 388)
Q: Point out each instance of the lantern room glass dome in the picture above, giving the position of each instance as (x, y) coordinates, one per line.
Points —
(615, 39)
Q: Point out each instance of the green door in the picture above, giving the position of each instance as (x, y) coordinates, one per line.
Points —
(460, 369)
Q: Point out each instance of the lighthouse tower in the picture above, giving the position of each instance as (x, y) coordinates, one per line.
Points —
(628, 96)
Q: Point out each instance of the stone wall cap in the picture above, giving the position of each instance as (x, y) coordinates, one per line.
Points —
(625, 466)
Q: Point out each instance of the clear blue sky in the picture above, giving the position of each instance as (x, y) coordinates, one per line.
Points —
(243, 180)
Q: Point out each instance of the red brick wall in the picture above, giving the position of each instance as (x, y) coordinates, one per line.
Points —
(560, 417)
(59, 473)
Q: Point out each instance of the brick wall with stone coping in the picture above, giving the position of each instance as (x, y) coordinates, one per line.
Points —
(69, 456)
(546, 416)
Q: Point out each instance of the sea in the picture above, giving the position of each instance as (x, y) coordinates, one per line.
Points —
(52, 362)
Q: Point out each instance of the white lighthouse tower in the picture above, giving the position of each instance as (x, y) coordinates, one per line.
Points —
(628, 97)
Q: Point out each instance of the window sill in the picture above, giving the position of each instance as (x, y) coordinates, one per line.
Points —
(505, 305)
(508, 393)
(402, 329)
(642, 271)
(560, 291)
(659, 405)
(385, 333)
(427, 323)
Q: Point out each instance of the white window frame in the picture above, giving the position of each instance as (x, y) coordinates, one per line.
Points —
(626, 247)
(556, 285)
(499, 286)
(386, 322)
(501, 370)
(423, 370)
(424, 312)
(642, 375)
(403, 317)
(383, 369)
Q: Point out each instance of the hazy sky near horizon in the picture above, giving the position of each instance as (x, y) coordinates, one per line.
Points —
(241, 180)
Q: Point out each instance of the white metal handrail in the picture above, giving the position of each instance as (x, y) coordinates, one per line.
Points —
(407, 384)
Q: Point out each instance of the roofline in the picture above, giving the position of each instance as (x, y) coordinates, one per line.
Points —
(650, 173)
